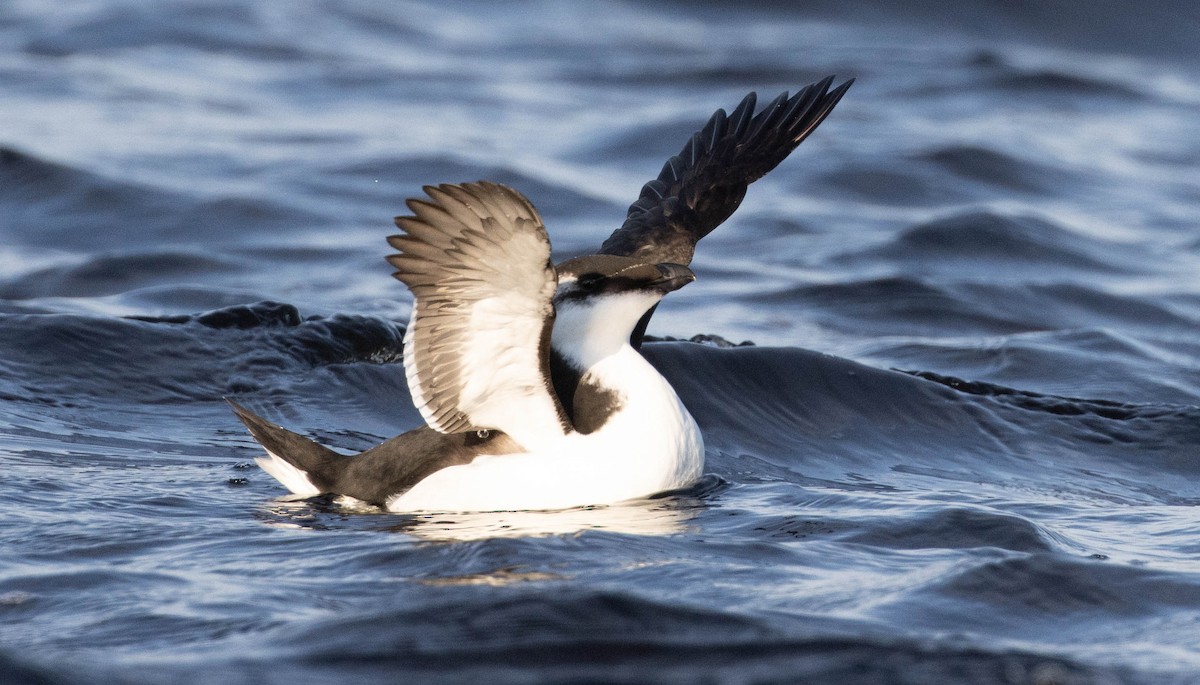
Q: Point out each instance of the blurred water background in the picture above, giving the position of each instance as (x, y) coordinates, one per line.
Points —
(964, 449)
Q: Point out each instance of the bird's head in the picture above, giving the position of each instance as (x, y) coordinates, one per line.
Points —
(600, 299)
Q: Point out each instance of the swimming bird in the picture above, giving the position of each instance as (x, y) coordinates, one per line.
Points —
(489, 306)
(527, 373)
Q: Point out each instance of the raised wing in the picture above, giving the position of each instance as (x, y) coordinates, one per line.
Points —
(476, 352)
(701, 186)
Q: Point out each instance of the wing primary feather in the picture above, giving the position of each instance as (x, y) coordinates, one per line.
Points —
(701, 187)
(767, 117)
(807, 105)
(742, 115)
(799, 105)
(821, 109)
(676, 165)
(697, 145)
(655, 189)
(453, 206)
(714, 130)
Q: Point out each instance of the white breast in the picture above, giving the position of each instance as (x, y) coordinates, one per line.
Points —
(651, 444)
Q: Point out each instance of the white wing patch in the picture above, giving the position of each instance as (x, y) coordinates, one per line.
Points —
(410, 368)
(477, 260)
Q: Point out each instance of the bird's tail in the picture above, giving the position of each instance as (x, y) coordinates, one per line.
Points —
(301, 465)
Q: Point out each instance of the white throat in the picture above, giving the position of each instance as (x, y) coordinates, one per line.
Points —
(586, 333)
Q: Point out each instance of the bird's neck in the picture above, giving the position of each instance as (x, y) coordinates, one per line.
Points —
(593, 366)
(593, 394)
(590, 377)
(586, 333)
(597, 373)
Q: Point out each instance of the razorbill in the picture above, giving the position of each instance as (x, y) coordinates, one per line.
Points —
(526, 373)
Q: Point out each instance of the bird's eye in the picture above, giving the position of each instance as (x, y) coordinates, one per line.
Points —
(589, 281)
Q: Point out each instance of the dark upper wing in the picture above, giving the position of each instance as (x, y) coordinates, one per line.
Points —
(701, 186)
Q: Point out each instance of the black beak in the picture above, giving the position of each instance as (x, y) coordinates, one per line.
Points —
(673, 277)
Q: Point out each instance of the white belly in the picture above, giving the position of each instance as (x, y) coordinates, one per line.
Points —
(652, 444)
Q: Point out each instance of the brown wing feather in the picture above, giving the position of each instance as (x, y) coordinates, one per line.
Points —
(477, 260)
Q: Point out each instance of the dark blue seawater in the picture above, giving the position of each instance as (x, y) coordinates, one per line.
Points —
(964, 449)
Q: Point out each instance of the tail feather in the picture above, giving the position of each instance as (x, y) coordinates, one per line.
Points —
(294, 479)
(301, 465)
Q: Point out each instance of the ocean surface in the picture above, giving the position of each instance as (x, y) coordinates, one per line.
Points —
(963, 448)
